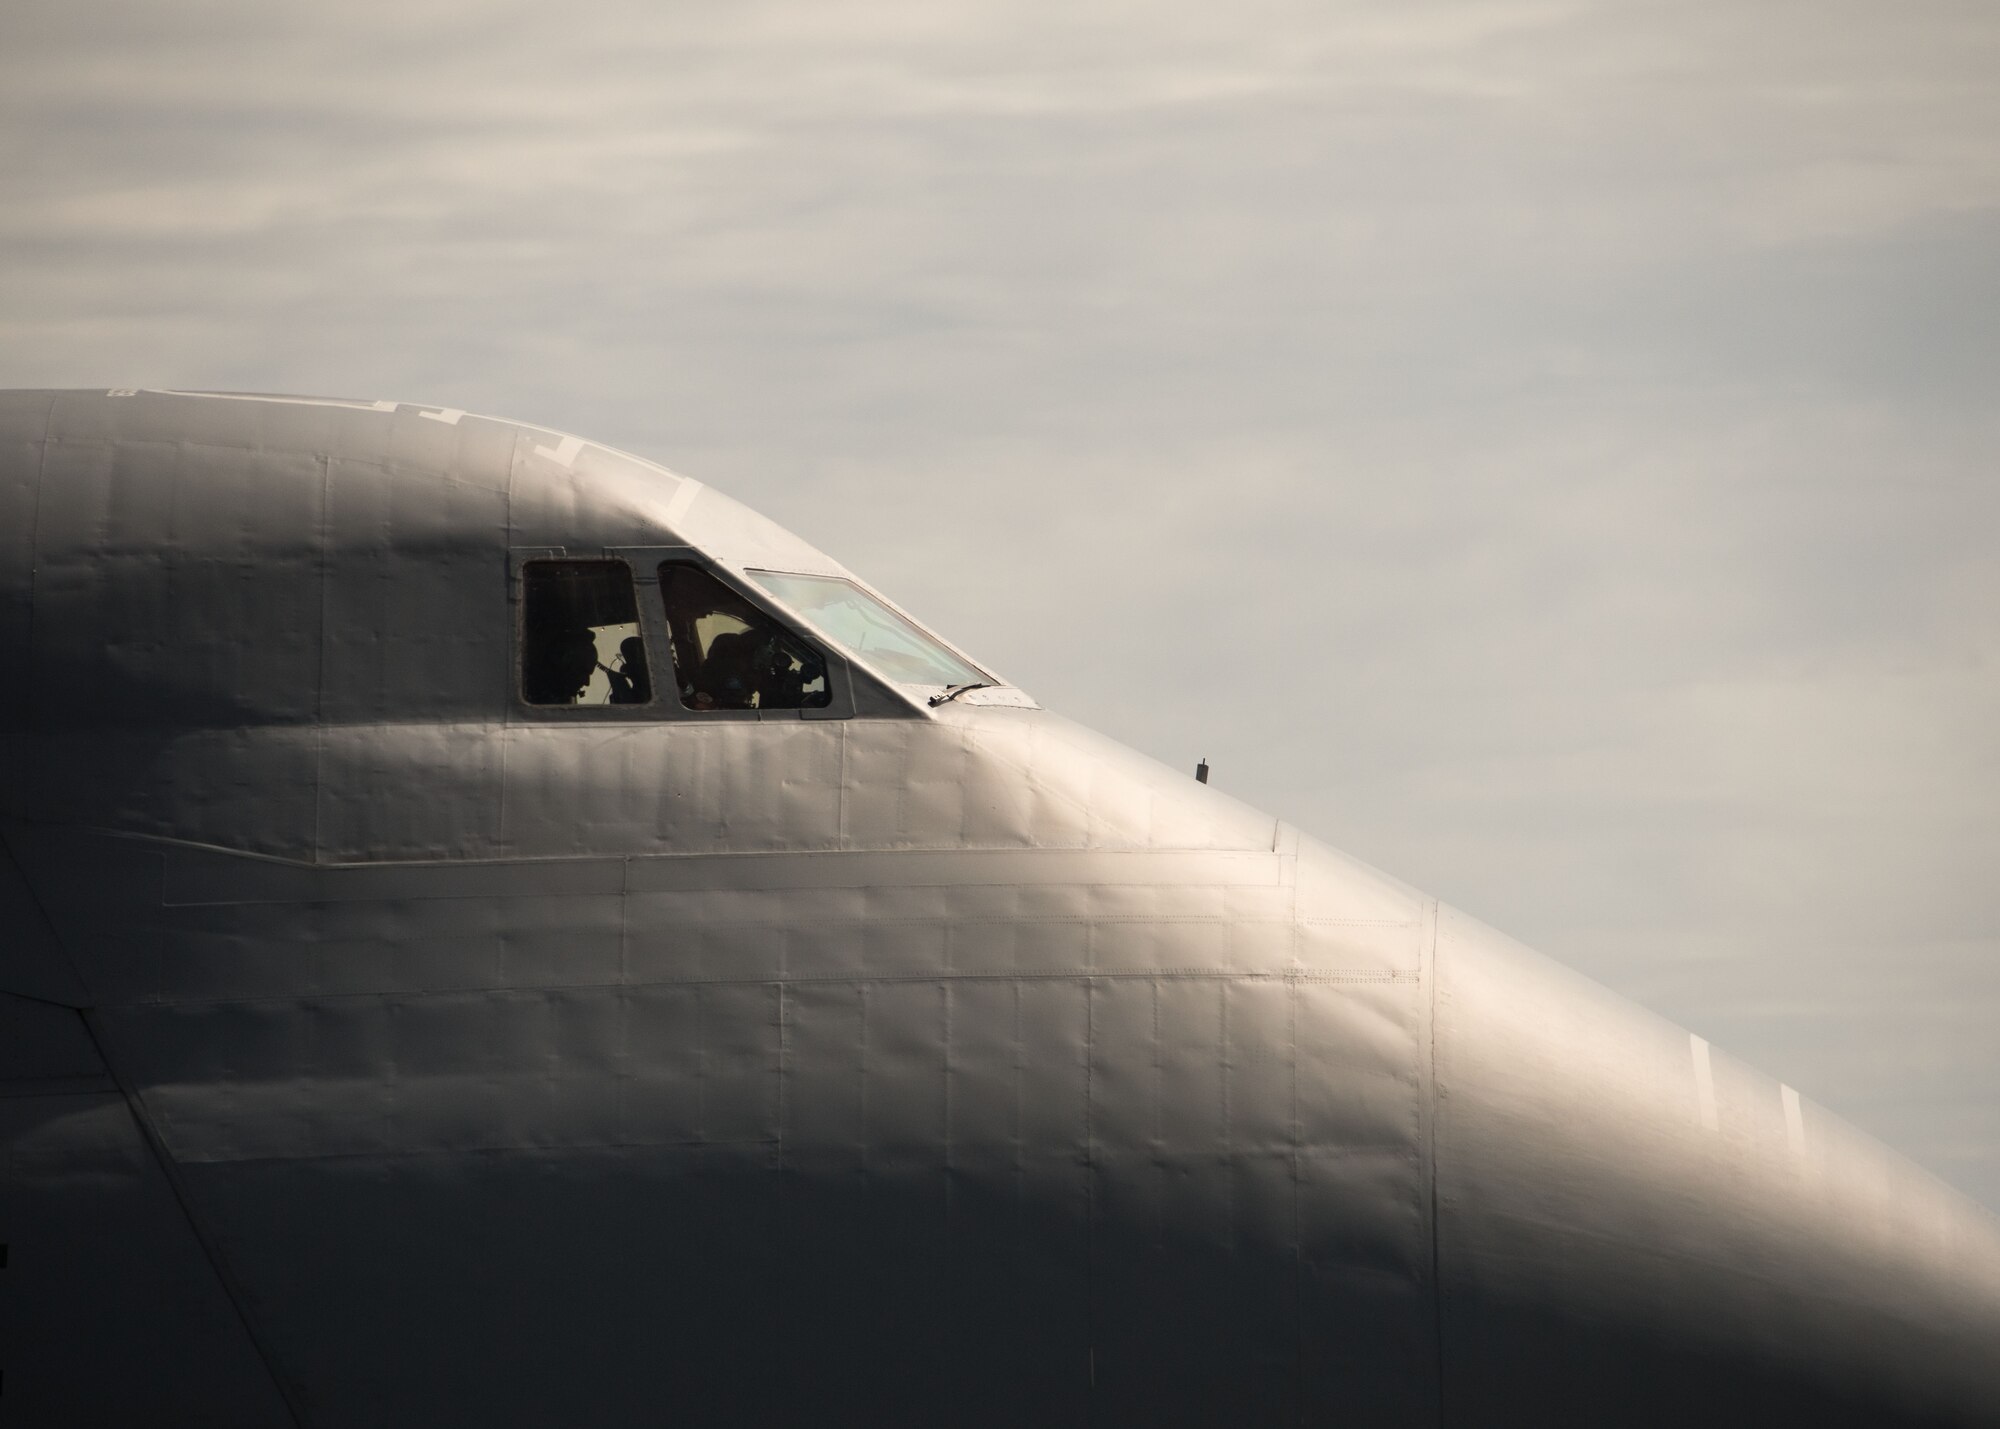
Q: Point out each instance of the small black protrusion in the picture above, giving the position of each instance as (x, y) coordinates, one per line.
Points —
(1201, 772)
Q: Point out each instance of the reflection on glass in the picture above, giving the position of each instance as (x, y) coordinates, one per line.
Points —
(847, 615)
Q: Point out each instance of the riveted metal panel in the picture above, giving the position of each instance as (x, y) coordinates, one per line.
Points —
(685, 787)
(1025, 778)
(177, 586)
(461, 1072)
(360, 815)
(1616, 1198)
(251, 789)
(417, 623)
(1351, 916)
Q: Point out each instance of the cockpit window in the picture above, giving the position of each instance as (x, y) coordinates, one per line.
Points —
(729, 655)
(580, 640)
(847, 615)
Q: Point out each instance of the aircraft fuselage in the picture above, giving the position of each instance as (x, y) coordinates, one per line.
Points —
(425, 1006)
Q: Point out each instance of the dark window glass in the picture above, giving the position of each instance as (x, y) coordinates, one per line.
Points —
(580, 641)
(729, 655)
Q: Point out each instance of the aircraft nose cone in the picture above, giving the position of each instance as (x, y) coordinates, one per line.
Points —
(1633, 1228)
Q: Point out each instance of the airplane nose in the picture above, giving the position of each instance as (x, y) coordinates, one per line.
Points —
(1633, 1228)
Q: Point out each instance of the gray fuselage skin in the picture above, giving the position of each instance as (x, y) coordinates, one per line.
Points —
(376, 1049)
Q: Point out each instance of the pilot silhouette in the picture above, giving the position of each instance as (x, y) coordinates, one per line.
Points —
(557, 662)
(629, 682)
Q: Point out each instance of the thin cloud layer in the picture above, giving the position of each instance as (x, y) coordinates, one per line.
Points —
(1545, 448)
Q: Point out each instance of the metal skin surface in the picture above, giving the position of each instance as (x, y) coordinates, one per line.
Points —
(378, 1050)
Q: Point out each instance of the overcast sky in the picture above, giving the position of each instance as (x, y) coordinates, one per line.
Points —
(1550, 450)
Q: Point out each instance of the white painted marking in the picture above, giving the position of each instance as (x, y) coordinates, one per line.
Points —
(683, 497)
(1704, 1083)
(564, 452)
(281, 401)
(450, 416)
(1795, 1120)
(123, 392)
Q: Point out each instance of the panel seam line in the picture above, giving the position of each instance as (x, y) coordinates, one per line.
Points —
(211, 1252)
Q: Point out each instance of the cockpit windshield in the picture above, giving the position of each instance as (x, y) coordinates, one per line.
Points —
(847, 615)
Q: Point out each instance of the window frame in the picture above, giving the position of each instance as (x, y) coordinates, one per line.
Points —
(519, 559)
(643, 563)
(839, 684)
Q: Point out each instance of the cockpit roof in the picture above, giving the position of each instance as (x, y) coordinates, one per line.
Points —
(557, 483)
(398, 506)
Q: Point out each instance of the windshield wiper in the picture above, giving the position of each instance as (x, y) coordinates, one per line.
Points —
(952, 692)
